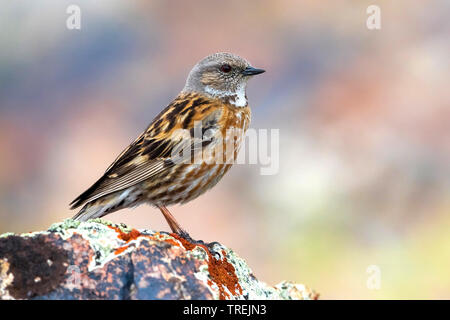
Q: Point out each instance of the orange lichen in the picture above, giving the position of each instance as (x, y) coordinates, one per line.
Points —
(221, 272)
(186, 244)
(134, 234)
(127, 237)
(171, 242)
(120, 250)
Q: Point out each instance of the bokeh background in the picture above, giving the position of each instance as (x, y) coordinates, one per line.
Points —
(364, 119)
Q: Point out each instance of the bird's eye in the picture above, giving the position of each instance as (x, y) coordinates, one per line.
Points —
(225, 68)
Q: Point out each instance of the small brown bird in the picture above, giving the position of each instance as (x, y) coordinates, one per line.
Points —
(186, 149)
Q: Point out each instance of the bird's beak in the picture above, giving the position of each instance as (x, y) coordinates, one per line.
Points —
(250, 71)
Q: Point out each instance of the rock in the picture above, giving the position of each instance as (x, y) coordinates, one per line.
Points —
(100, 260)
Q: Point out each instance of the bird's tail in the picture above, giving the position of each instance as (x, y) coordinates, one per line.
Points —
(107, 204)
(91, 211)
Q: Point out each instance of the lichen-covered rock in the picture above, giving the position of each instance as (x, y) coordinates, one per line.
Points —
(100, 260)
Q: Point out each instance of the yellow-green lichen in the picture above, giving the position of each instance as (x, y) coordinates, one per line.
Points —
(7, 234)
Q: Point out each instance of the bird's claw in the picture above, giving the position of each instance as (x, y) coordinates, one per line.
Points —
(208, 245)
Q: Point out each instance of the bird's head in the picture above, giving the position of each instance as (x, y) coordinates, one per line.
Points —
(221, 75)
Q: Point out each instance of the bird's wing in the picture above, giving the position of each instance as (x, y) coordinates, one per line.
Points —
(158, 148)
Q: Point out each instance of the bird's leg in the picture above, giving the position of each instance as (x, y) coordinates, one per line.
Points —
(177, 229)
(173, 224)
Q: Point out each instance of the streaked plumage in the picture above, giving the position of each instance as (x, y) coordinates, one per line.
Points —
(149, 169)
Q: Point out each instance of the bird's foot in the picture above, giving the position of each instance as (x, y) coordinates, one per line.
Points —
(208, 245)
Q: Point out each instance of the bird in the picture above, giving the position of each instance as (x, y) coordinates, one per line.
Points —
(187, 148)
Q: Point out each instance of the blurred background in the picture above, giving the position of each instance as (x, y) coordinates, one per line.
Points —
(364, 120)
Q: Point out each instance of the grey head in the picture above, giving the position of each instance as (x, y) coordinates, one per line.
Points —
(222, 75)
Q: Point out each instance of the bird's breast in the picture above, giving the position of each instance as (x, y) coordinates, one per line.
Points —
(233, 126)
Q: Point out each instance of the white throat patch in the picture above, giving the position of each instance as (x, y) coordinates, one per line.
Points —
(239, 96)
